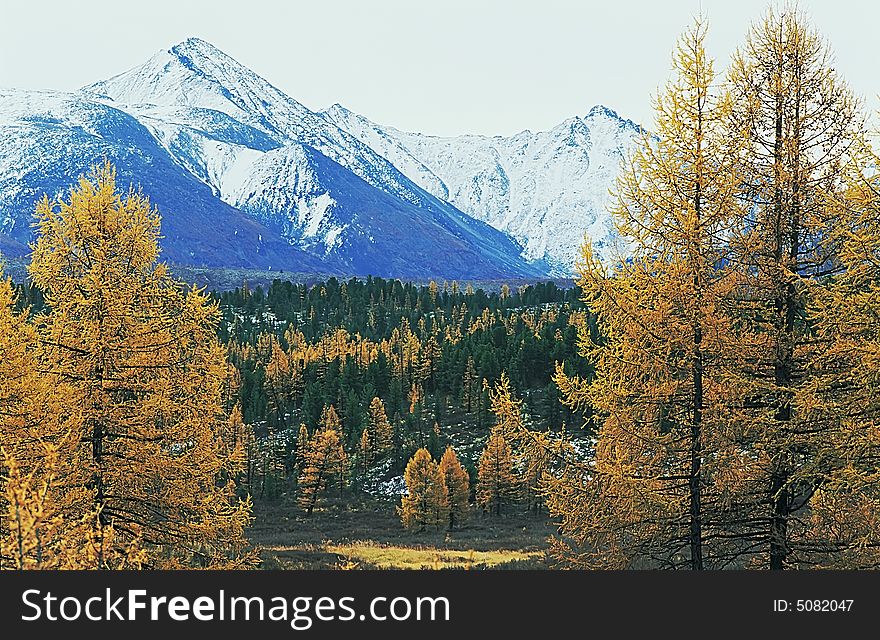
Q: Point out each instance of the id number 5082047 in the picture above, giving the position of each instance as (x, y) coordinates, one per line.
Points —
(813, 606)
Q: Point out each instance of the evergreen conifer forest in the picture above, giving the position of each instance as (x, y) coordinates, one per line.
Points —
(709, 399)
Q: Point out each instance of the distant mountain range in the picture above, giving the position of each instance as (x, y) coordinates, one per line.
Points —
(247, 177)
(545, 189)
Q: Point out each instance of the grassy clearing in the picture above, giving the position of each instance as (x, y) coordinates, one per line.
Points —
(365, 534)
(375, 556)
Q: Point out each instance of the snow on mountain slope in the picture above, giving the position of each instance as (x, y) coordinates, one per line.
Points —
(197, 75)
(546, 189)
(222, 151)
(378, 233)
(257, 149)
(48, 139)
(211, 145)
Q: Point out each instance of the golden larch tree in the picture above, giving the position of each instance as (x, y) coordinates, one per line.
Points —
(380, 430)
(534, 452)
(39, 522)
(664, 339)
(302, 445)
(808, 416)
(34, 535)
(235, 439)
(469, 381)
(323, 463)
(365, 453)
(330, 419)
(457, 487)
(844, 518)
(426, 503)
(140, 353)
(278, 385)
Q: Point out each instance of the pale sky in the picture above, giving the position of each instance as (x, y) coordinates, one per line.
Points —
(449, 67)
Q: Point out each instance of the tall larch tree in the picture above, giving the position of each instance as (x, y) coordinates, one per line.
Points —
(468, 385)
(235, 436)
(457, 487)
(806, 419)
(844, 514)
(278, 385)
(663, 340)
(140, 353)
(365, 453)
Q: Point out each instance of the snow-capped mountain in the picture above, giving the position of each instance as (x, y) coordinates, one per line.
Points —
(546, 189)
(48, 139)
(246, 176)
(298, 173)
(193, 85)
(243, 175)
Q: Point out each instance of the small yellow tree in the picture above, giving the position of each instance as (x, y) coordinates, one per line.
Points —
(35, 437)
(533, 451)
(330, 419)
(457, 487)
(302, 445)
(278, 384)
(365, 452)
(234, 438)
(40, 530)
(469, 390)
(33, 530)
(426, 503)
(323, 463)
(380, 430)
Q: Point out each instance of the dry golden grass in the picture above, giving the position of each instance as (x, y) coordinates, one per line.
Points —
(372, 555)
(362, 533)
(381, 556)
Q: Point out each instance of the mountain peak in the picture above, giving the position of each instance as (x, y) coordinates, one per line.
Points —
(601, 110)
(214, 142)
(182, 75)
(337, 112)
(198, 51)
(196, 74)
(194, 41)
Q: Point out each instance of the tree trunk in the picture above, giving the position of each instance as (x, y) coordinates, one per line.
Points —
(694, 481)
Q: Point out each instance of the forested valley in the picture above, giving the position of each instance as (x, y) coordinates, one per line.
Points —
(709, 398)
